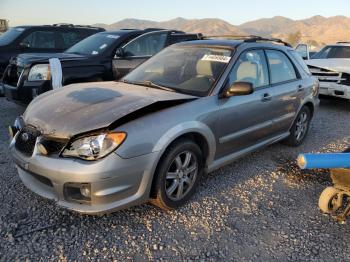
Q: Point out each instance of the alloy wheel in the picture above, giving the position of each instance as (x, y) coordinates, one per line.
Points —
(301, 126)
(181, 175)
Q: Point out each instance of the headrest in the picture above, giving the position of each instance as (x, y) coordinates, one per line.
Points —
(247, 70)
(204, 68)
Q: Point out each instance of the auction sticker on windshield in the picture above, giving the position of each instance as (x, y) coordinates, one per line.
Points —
(216, 58)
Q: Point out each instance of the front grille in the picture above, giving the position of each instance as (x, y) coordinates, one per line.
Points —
(325, 75)
(26, 139)
(345, 79)
(12, 75)
(53, 146)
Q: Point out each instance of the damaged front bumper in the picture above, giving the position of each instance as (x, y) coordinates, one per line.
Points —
(16, 87)
(90, 187)
(334, 89)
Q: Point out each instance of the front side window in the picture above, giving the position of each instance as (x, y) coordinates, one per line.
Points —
(281, 67)
(146, 45)
(186, 69)
(251, 67)
(40, 39)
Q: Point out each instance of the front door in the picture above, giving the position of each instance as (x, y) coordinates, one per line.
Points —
(138, 51)
(246, 120)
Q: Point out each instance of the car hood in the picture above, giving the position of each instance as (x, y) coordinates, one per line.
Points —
(80, 108)
(338, 65)
(43, 57)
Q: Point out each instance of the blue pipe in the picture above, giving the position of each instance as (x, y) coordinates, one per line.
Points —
(337, 160)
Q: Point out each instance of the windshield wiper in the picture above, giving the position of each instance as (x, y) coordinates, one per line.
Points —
(148, 83)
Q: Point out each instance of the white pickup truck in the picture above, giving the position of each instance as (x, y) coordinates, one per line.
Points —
(331, 66)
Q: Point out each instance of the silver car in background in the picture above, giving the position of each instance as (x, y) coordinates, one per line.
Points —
(192, 108)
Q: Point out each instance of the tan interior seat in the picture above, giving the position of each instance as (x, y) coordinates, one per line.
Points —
(247, 70)
(204, 68)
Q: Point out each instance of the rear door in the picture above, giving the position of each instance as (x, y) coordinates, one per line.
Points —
(288, 89)
(139, 50)
(246, 121)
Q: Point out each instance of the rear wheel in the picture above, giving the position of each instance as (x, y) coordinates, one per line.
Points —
(177, 175)
(300, 128)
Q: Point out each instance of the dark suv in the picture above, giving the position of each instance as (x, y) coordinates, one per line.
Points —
(41, 39)
(102, 57)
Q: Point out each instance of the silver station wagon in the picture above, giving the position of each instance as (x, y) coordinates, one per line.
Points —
(192, 108)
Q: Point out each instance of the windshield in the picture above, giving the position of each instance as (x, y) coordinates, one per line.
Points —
(333, 52)
(93, 45)
(186, 69)
(10, 35)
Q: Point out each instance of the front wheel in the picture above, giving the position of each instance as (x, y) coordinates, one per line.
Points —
(300, 128)
(177, 175)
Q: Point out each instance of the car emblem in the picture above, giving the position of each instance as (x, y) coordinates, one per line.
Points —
(25, 137)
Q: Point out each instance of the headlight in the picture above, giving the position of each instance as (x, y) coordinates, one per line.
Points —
(39, 73)
(94, 147)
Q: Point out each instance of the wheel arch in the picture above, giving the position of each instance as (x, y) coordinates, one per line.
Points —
(310, 106)
(197, 131)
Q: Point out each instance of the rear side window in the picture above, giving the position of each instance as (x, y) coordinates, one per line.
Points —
(300, 61)
(251, 67)
(41, 39)
(69, 39)
(281, 67)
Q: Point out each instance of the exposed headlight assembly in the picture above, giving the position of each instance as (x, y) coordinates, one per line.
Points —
(94, 147)
(39, 73)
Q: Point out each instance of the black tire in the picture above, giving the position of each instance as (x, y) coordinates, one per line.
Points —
(294, 139)
(163, 183)
(330, 200)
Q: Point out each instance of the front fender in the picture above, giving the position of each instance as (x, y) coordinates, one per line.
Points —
(185, 128)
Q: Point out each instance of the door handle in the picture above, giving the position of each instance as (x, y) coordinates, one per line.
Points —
(300, 88)
(266, 97)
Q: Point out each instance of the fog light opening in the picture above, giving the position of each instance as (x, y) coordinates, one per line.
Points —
(85, 190)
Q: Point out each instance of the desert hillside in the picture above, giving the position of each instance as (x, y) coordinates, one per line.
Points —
(318, 29)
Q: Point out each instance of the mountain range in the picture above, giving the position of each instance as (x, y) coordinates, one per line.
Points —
(323, 30)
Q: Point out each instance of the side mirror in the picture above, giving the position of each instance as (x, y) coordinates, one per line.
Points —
(120, 52)
(24, 45)
(238, 89)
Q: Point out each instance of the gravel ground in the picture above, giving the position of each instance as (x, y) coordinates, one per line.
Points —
(259, 208)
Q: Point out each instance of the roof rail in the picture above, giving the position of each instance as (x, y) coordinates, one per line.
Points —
(251, 39)
(63, 24)
(72, 25)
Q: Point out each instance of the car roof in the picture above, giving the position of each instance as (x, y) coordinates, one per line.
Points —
(142, 31)
(340, 44)
(231, 44)
(121, 32)
(61, 26)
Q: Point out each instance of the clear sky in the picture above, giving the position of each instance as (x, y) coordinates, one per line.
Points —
(110, 11)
